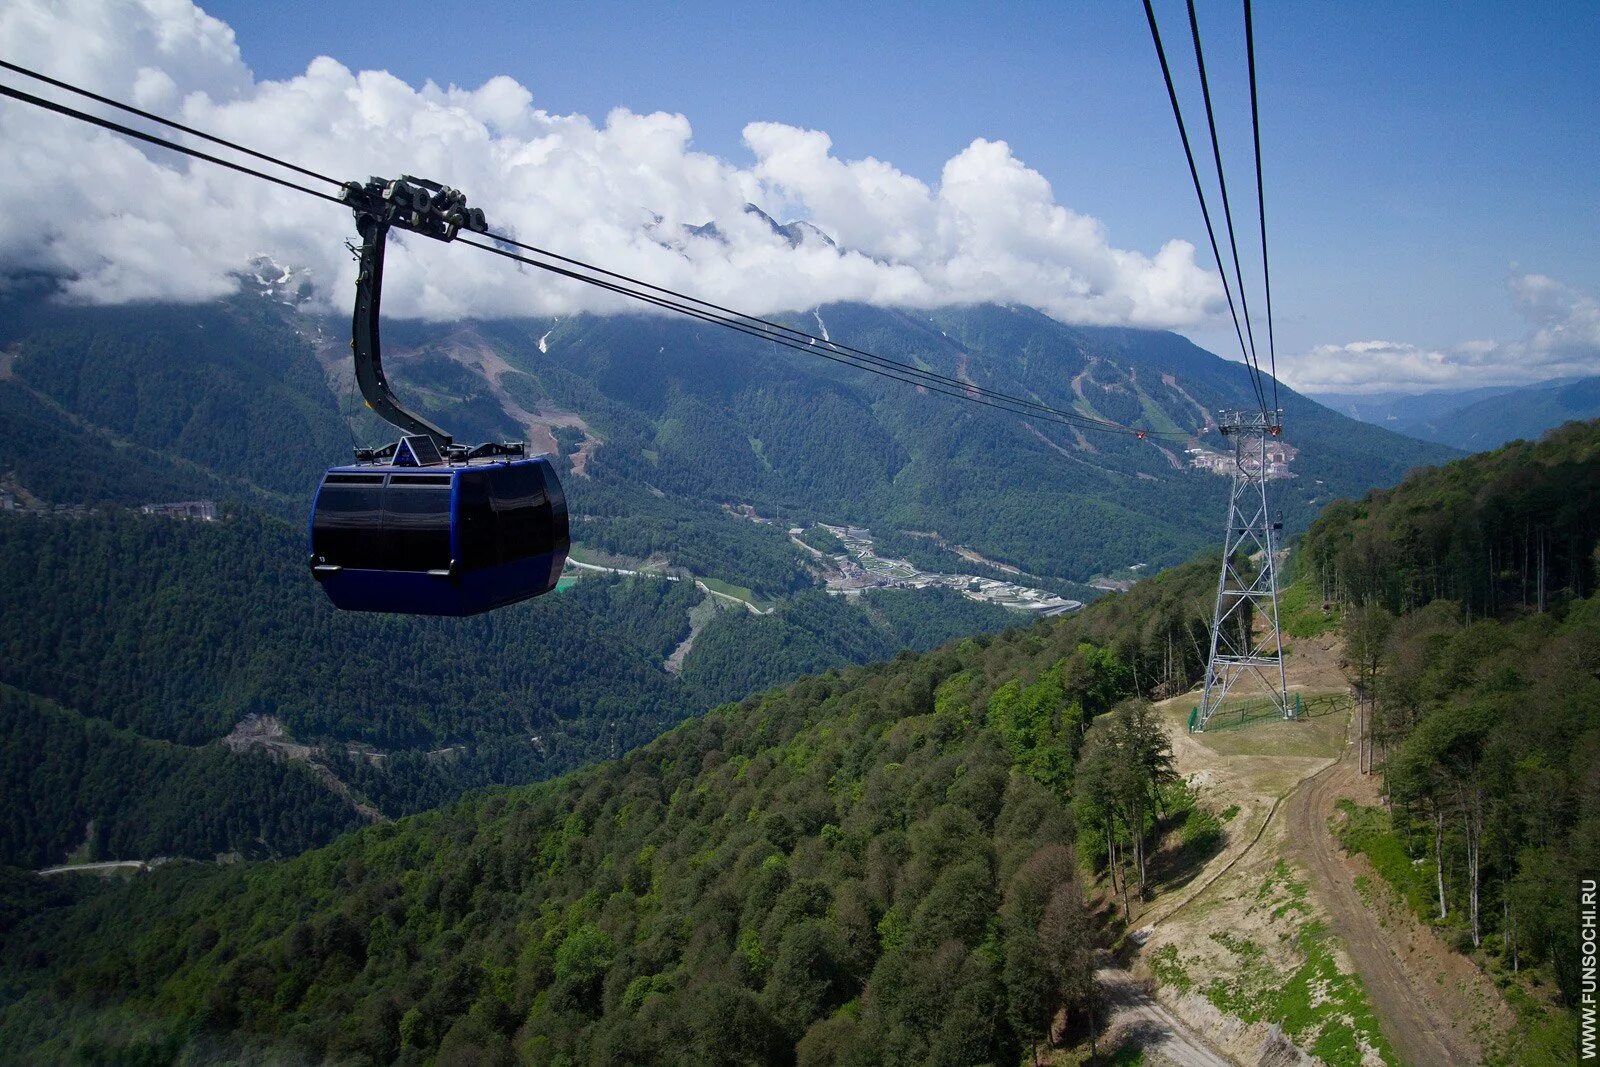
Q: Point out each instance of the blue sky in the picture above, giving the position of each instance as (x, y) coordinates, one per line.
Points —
(1416, 154)
(1422, 161)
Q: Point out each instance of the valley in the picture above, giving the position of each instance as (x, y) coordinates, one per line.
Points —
(238, 405)
(246, 720)
(943, 828)
(581, 545)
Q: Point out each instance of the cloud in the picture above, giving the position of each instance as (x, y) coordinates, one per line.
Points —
(119, 222)
(1563, 340)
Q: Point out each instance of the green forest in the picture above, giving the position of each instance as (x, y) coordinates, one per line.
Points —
(1468, 599)
(700, 417)
(146, 640)
(741, 653)
(869, 865)
(177, 630)
(68, 782)
(875, 864)
(236, 400)
(1499, 532)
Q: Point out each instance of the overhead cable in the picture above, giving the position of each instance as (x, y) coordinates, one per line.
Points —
(1261, 201)
(961, 392)
(1222, 185)
(769, 325)
(1200, 195)
(149, 138)
(109, 102)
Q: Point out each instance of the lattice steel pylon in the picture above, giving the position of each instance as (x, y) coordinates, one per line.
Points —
(1251, 532)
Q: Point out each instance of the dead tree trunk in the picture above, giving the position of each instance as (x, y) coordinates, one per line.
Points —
(1472, 821)
(1438, 858)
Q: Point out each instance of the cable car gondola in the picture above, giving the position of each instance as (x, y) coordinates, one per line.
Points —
(435, 538)
(427, 526)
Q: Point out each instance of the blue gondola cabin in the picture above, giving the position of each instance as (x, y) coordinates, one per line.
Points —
(418, 535)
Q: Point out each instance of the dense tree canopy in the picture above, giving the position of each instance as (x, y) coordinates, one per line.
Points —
(874, 865)
(1471, 616)
(1514, 528)
(143, 630)
(67, 782)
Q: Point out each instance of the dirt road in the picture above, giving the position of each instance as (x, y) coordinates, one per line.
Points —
(1283, 781)
(1149, 1026)
(96, 868)
(1410, 1017)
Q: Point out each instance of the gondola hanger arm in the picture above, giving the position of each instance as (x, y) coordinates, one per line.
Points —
(419, 206)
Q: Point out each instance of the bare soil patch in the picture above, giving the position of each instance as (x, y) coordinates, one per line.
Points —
(267, 733)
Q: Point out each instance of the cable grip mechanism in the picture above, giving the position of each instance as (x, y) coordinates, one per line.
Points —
(419, 206)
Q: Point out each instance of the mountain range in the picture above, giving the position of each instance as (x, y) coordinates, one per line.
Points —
(914, 862)
(870, 864)
(662, 422)
(213, 658)
(1475, 420)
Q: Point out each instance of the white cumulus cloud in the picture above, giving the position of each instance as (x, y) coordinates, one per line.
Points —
(1563, 340)
(119, 222)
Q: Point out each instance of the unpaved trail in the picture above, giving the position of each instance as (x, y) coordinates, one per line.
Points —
(1135, 1015)
(1412, 1019)
(102, 867)
(1287, 780)
(817, 552)
(267, 733)
(1257, 772)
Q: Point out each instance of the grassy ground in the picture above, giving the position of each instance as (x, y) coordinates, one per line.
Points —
(1545, 1035)
(595, 558)
(1286, 973)
(738, 592)
(1367, 831)
(1252, 727)
(1300, 611)
(1155, 416)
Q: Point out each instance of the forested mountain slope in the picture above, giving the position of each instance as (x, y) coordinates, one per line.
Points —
(1514, 528)
(1521, 414)
(1470, 608)
(868, 865)
(153, 638)
(664, 420)
(160, 401)
(178, 633)
(71, 783)
(687, 411)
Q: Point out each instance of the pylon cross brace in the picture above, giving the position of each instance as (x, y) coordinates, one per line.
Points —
(1243, 592)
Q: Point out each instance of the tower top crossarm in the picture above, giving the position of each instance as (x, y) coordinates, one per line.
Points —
(1251, 420)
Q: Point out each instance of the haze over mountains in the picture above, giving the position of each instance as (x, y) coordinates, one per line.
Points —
(1476, 419)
